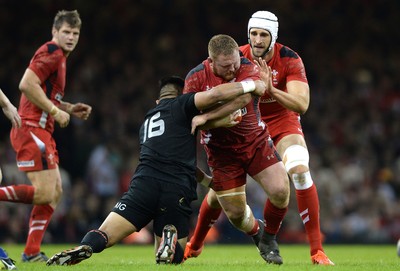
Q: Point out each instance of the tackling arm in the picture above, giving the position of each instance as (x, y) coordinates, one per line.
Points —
(226, 92)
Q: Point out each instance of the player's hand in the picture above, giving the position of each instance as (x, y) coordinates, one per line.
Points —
(265, 73)
(229, 121)
(80, 110)
(197, 121)
(11, 113)
(62, 118)
(260, 88)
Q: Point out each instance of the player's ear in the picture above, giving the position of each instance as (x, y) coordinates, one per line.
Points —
(157, 101)
(53, 31)
(210, 60)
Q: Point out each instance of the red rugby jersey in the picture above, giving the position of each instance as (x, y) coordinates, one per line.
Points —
(251, 129)
(49, 64)
(286, 66)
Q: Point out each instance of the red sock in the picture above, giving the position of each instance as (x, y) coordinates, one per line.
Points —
(17, 193)
(273, 217)
(206, 219)
(40, 218)
(308, 205)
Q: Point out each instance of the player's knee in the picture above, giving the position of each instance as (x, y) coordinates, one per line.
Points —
(281, 194)
(43, 196)
(296, 159)
(240, 218)
(296, 156)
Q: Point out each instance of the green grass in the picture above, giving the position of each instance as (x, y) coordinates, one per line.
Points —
(225, 257)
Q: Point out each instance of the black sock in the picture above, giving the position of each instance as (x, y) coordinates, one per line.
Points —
(178, 256)
(96, 239)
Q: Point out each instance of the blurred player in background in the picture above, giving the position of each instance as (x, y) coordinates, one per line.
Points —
(164, 184)
(12, 114)
(287, 97)
(42, 87)
(234, 152)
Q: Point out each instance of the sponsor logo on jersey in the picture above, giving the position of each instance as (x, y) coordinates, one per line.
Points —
(267, 101)
(275, 77)
(120, 206)
(30, 163)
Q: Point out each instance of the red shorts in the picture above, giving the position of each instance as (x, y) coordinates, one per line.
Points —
(230, 168)
(35, 148)
(283, 126)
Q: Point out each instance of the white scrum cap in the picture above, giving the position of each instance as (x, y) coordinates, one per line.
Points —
(265, 20)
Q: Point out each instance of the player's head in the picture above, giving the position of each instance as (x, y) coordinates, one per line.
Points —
(263, 21)
(72, 18)
(224, 56)
(171, 87)
(66, 30)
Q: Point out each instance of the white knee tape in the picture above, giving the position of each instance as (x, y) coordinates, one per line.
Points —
(294, 156)
(231, 194)
(246, 218)
(302, 181)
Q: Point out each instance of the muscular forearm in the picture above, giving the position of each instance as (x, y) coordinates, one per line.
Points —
(67, 107)
(3, 99)
(296, 103)
(228, 108)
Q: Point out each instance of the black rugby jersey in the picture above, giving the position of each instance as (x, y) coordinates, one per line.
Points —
(167, 148)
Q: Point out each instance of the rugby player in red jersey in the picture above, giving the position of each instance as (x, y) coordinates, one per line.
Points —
(42, 87)
(233, 152)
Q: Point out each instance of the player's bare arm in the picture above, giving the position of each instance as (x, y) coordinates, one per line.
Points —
(220, 116)
(228, 91)
(10, 110)
(297, 98)
(30, 85)
(79, 110)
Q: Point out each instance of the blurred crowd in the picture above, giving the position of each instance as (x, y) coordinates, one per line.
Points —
(352, 127)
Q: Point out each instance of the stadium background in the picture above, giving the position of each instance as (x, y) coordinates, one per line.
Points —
(350, 49)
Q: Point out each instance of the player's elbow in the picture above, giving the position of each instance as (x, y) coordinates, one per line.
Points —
(303, 109)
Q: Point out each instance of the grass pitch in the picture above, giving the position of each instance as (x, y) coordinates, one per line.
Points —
(224, 257)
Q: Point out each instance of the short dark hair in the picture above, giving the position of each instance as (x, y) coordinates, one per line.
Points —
(177, 86)
(70, 17)
(174, 79)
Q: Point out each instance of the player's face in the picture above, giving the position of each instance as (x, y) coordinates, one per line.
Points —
(226, 66)
(66, 37)
(260, 40)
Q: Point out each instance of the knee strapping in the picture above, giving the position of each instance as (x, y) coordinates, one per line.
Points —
(294, 156)
(242, 225)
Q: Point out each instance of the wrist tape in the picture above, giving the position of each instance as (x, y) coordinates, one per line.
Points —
(248, 86)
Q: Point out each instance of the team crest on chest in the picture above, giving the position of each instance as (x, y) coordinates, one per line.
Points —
(275, 77)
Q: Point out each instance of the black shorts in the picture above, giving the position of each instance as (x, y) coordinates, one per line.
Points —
(151, 199)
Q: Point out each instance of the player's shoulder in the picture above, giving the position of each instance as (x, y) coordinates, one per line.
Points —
(49, 48)
(196, 70)
(245, 50)
(286, 51)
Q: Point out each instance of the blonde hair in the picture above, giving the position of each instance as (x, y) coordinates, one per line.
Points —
(222, 45)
